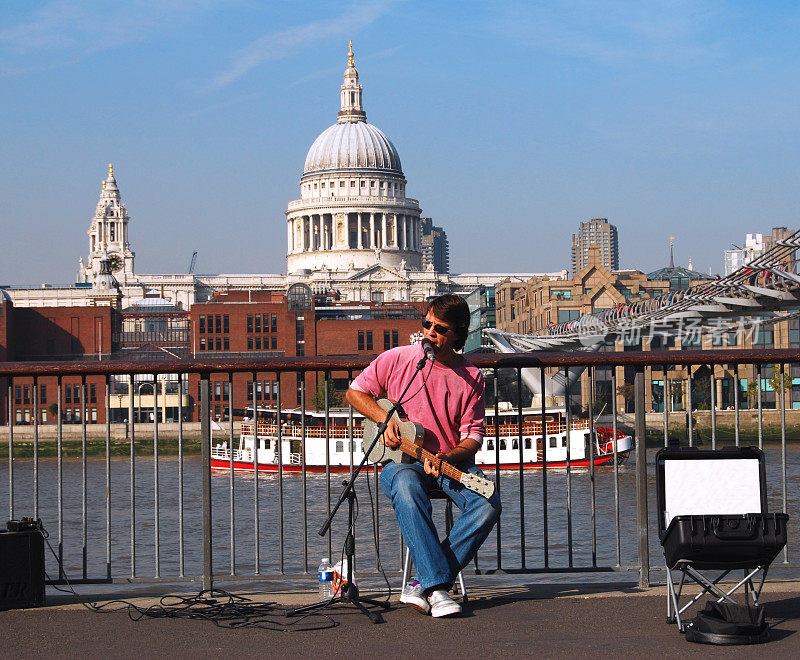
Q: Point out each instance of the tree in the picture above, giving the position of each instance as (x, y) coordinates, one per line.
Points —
(752, 394)
(676, 392)
(627, 391)
(778, 387)
(335, 399)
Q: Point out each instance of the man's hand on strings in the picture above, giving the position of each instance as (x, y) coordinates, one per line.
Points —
(433, 467)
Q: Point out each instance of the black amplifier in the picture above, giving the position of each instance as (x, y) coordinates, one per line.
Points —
(21, 569)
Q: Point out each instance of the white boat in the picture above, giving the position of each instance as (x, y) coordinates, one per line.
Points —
(306, 442)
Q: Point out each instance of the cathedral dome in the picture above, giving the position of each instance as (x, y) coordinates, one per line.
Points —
(352, 144)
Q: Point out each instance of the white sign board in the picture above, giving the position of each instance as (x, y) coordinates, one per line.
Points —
(711, 487)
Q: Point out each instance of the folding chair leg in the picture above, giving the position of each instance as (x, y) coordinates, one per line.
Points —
(406, 568)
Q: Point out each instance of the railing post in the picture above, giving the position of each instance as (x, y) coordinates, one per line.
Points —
(641, 478)
(205, 456)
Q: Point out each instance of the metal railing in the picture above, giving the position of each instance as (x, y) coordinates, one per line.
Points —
(109, 512)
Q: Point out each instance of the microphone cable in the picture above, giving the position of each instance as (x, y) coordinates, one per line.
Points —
(222, 608)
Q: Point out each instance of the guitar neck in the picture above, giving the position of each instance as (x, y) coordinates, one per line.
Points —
(415, 451)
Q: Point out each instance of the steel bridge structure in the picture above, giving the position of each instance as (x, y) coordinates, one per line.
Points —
(764, 291)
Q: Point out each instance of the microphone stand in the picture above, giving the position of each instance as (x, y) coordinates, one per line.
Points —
(349, 591)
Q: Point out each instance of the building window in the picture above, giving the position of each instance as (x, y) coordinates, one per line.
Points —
(218, 324)
(274, 343)
(274, 323)
(92, 393)
(226, 343)
(360, 340)
(26, 394)
(218, 343)
(369, 340)
(226, 325)
(202, 343)
(249, 343)
(43, 393)
(565, 315)
(17, 394)
(258, 343)
(249, 323)
(258, 323)
(386, 340)
(202, 324)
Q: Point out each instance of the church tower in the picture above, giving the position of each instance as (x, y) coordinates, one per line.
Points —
(108, 235)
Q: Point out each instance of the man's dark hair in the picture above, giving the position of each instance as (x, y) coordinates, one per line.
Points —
(454, 310)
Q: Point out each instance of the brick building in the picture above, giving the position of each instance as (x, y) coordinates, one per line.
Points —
(55, 333)
(294, 323)
(536, 304)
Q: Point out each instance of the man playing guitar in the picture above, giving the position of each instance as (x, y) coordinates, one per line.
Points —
(446, 398)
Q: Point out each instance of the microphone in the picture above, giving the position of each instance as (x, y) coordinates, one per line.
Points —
(427, 346)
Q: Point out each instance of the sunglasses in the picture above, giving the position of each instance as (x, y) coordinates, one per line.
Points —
(439, 328)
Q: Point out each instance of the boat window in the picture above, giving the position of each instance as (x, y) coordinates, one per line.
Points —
(564, 442)
(514, 444)
(527, 443)
(502, 444)
(553, 442)
(339, 446)
(490, 444)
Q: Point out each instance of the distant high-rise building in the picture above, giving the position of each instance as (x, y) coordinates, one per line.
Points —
(435, 247)
(754, 246)
(599, 232)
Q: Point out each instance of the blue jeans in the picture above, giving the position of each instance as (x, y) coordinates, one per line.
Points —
(438, 562)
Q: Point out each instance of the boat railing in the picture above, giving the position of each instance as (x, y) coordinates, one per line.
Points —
(296, 431)
(535, 428)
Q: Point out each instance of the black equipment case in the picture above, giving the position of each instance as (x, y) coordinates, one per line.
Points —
(715, 538)
(725, 541)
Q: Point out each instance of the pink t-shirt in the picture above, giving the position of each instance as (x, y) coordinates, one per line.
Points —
(450, 406)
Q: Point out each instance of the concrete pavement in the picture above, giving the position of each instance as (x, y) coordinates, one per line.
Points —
(554, 620)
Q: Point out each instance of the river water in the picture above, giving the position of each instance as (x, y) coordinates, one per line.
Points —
(310, 497)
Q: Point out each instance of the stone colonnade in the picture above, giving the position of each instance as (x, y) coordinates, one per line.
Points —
(353, 231)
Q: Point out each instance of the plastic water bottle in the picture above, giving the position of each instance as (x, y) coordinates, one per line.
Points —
(325, 579)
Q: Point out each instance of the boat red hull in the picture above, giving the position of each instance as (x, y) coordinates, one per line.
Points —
(239, 466)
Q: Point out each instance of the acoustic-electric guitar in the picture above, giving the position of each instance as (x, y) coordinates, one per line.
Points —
(411, 435)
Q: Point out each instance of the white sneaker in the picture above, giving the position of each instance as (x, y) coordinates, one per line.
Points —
(442, 605)
(414, 596)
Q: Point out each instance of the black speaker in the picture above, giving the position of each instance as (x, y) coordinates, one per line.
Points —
(21, 569)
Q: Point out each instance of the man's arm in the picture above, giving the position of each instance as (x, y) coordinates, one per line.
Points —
(367, 406)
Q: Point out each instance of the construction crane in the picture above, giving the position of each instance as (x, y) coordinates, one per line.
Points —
(193, 262)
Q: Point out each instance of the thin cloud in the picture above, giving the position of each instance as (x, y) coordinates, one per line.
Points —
(617, 33)
(285, 43)
(64, 32)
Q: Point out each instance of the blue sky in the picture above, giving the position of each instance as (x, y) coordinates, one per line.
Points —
(514, 121)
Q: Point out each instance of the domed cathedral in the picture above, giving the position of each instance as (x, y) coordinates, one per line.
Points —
(108, 235)
(353, 213)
